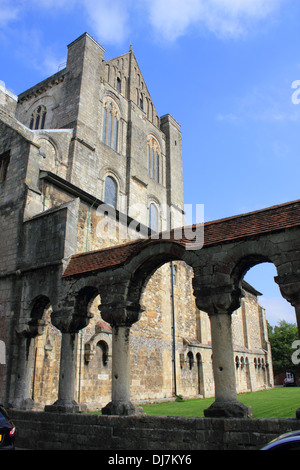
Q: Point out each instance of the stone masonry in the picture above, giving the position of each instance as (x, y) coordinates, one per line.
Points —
(87, 164)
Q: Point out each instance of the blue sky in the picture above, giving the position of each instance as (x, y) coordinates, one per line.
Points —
(223, 69)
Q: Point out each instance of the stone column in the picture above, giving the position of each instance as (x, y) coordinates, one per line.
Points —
(22, 399)
(67, 376)
(289, 285)
(226, 403)
(24, 374)
(121, 318)
(219, 301)
(120, 404)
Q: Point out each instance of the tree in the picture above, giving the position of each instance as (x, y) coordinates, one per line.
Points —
(281, 338)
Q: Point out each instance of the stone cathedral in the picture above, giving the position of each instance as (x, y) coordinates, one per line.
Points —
(86, 163)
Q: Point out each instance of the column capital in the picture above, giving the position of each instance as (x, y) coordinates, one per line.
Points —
(67, 321)
(215, 299)
(121, 313)
(289, 285)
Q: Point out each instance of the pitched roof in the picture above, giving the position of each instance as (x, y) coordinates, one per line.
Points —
(252, 224)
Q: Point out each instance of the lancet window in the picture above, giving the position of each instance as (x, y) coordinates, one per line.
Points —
(110, 191)
(110, 129)
(153, 218)
(154, 160)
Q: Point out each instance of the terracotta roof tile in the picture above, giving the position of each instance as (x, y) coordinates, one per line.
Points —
(104, 326)
(275, 218)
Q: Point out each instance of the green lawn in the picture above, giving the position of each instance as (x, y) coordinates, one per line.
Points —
(280, 402)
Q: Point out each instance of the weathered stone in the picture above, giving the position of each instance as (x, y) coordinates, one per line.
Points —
(51, 208)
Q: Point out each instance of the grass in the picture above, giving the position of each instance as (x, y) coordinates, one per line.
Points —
(280, 402)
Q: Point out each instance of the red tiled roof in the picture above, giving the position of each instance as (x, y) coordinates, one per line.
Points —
(275, 218)
(104, 326)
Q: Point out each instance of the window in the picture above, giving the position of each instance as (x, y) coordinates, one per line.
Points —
(154, 160)
(119, 84)
(4, 161)
(153, 218)
(190, 359)
(38, 118)
(110, 130)
(110, 192)
(102, 352)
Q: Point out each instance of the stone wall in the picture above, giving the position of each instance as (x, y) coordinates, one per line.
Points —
(50, 431)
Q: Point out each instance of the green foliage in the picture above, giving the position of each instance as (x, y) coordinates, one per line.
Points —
(281, 338)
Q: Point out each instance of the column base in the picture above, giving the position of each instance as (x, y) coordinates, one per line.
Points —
(63, 406)
(122, 408)
(228, 409)
(26, 404)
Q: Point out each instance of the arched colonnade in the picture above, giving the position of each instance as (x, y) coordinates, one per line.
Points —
(119, 276)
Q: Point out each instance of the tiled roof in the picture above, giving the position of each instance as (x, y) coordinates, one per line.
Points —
(272, 219)
(103, 326)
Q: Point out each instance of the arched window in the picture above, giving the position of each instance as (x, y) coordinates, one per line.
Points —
(110, 192)
(190, 359)
(153, 218)
(119, 84)
(38, 118)
(110, 129)
(103, 352)
(154, 160)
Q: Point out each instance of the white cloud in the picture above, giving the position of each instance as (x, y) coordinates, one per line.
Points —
(108, 19)
(111, 21)
(171, 18)
(8, 12)
(230, 117)
(226, 18)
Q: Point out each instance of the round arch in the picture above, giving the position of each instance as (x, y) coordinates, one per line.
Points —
(39, 309)
(147, 261)
(83, 302)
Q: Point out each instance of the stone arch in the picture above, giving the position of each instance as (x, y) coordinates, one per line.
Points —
(33, 349)
(84, 299)
(147, 262)
(49, 152)
(46, 354)
(39, 308)
(247, 262)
